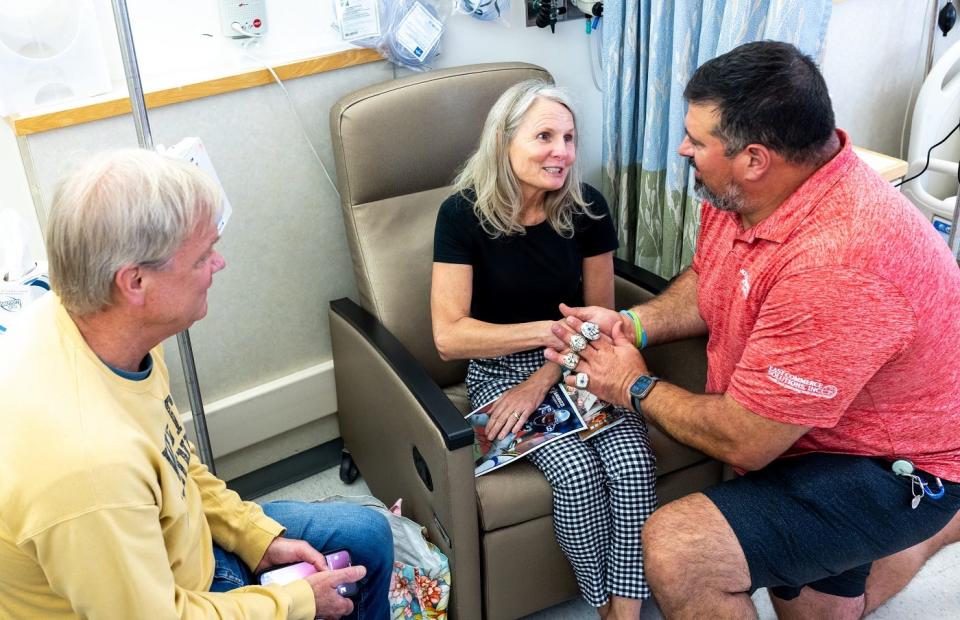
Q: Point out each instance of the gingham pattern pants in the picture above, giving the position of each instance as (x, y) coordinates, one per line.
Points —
(603, 488)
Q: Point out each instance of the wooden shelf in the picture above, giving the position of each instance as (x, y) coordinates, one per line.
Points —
(116, 106)
(890, 168)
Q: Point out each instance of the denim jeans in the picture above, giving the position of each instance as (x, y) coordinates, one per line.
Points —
(327, 527)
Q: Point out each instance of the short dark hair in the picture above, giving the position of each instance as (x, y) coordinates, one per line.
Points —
(768, 93)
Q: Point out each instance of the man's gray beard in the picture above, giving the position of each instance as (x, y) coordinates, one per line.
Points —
(730, 200)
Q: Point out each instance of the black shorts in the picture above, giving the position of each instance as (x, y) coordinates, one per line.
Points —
(820, 520)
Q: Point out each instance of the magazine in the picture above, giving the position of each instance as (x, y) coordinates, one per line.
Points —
(598, 415)
(602, 418)
(556, 417)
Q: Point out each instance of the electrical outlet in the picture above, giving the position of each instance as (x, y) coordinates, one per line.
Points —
(570, 11)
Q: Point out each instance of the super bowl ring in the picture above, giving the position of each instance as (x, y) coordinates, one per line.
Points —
(570, 361)
(577, 343)
(591, 331)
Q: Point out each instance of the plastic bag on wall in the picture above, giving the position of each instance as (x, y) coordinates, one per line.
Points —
(360, 21)
(413, 38)
(495, 11)
(409, 30)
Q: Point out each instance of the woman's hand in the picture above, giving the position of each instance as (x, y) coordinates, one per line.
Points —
(457, 335)
(553, 334)
(509, 413)
(604, 318)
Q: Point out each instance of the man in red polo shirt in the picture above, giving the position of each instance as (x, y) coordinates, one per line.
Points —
(833, 314)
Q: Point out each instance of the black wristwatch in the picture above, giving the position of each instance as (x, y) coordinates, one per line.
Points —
(640, 388)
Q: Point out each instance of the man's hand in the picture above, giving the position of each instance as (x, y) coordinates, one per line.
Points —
(331, 605)
(604, 318)
(289, 551)
(611, 365)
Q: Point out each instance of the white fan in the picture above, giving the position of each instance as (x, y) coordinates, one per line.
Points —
(50, 50)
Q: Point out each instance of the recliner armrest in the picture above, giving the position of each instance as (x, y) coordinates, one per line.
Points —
(448, 420)
(409, 441)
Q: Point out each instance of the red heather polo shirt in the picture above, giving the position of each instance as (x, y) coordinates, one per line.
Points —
(839, 311)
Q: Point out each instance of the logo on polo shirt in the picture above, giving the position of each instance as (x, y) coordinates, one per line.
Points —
(800, 385)
(745, 283)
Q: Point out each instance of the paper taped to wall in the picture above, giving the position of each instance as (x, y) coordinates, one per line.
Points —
(191, 150)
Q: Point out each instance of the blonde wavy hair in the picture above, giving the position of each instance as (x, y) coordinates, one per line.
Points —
(488, 174)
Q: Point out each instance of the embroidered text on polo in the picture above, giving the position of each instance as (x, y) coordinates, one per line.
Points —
(800, 385)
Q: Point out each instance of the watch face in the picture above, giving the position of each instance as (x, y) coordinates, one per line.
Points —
(642, 385)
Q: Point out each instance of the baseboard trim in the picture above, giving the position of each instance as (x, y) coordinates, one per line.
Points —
(269, 409)
(287, 471)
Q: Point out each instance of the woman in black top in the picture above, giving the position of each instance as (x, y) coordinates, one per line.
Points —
(519, 236)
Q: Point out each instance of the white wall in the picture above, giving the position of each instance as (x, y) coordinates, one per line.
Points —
(179, 41)
(173, 45)
(873, 58)
(565, 54)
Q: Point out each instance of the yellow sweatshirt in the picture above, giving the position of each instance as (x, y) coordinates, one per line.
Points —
(105, 511)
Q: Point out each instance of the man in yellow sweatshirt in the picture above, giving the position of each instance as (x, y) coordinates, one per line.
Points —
(105, 511)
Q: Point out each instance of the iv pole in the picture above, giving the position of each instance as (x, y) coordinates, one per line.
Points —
(954, 240)
(139, 109)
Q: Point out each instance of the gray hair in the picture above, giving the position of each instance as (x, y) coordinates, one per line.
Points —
(125, 207)
(498, 200)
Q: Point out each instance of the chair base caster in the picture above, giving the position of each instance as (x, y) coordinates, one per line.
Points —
(348, 469)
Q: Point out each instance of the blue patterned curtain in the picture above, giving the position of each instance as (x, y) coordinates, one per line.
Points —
(653, 47)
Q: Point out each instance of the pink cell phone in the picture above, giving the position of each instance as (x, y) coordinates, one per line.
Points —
(287, 574)
(341, 559)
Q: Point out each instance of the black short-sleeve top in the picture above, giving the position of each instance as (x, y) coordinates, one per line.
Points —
(520, 278)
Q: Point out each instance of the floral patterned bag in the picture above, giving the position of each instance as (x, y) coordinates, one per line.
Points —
(420, 586)
(416, 593)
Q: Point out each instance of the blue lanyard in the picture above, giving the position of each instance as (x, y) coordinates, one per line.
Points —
(933, 494)
(905, 468)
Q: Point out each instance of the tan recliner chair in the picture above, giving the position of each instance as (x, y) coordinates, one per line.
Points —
(398, 146)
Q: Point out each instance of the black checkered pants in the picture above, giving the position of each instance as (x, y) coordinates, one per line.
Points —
(603, 488)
